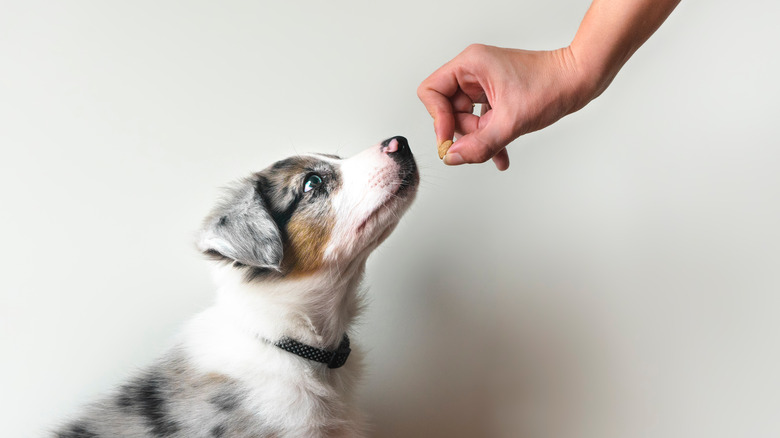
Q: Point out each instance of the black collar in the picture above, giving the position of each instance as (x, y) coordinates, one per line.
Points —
(334, 359)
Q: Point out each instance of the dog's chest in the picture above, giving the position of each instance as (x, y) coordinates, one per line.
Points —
(275, 389)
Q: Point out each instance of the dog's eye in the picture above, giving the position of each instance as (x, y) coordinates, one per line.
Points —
(312, 182)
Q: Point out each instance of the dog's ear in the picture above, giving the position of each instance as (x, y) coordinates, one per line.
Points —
(242, 229)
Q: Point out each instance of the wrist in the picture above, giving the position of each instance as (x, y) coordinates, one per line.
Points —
(586, 79)
(593, 71)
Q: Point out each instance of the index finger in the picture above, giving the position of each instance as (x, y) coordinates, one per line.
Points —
(435, 93)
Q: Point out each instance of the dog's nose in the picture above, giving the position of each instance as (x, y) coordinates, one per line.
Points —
(397, 147)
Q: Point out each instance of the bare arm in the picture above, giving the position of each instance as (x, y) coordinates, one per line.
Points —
(611, 32)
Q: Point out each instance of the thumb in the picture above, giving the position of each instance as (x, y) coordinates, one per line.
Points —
(483, 143)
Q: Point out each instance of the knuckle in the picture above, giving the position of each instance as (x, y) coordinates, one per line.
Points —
(476, 47)
(477, 51)
(424, 86)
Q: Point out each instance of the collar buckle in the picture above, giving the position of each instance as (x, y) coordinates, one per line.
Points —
(341, 354)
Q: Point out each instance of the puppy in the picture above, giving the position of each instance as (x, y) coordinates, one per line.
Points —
(272, 357)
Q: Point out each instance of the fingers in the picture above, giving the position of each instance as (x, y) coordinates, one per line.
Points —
(435, 93)
(501, 160)
(462, 103)
(487, 141)
(466, 123)
(442, 112)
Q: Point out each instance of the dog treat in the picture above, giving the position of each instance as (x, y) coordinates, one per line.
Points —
(443, 148)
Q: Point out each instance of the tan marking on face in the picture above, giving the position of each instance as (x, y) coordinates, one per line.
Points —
(307, 239)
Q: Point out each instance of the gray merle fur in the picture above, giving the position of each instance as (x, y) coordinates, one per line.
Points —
(170, 400)
(241, 229)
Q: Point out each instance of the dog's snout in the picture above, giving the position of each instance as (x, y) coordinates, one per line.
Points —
(396, 146)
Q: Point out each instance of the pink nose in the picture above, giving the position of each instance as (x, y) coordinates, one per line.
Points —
(396, 147)
(392, 146)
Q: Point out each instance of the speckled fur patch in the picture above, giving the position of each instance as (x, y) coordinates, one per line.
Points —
(162, 402)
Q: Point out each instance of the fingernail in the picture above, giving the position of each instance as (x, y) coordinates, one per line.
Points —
(453, 159)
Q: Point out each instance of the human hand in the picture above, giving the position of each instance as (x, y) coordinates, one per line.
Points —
(526, 91)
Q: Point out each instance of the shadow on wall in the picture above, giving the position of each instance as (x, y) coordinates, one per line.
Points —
(489, 359)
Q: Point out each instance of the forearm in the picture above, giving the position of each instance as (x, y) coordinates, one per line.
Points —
(611, 32)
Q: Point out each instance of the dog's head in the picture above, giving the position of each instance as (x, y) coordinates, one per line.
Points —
(309, 213)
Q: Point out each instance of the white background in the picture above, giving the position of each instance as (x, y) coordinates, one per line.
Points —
(622, 279)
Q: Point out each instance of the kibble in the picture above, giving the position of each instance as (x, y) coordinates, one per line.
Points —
(443, 148)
